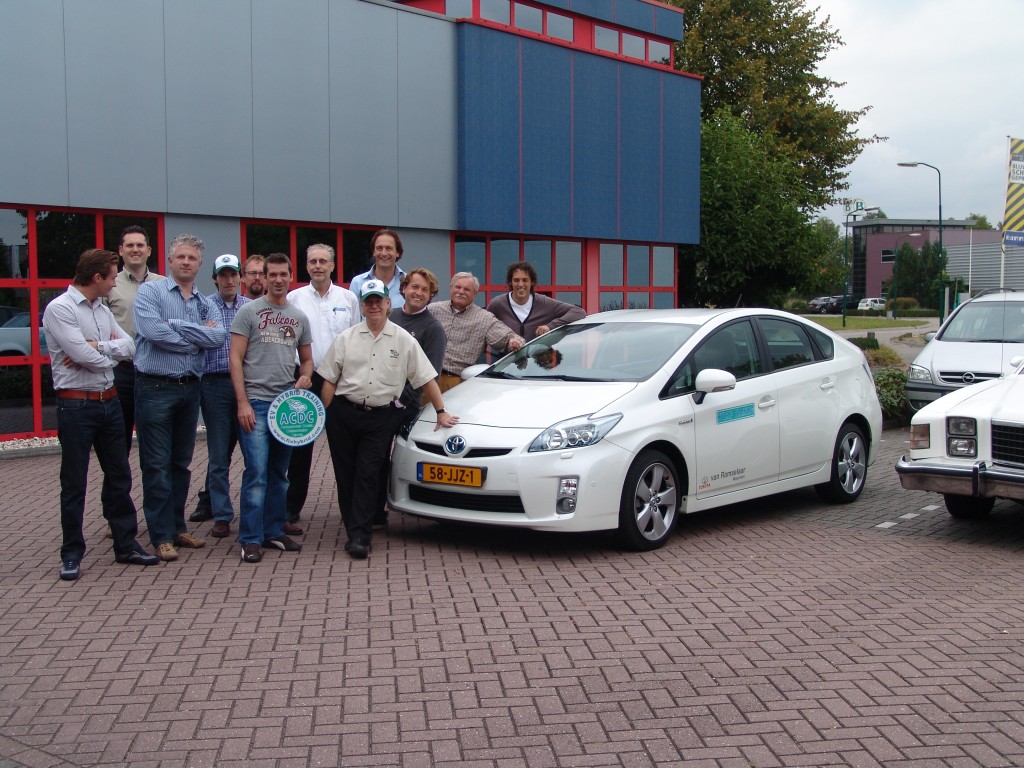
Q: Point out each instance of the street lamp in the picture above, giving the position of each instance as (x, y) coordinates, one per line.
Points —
(895, 263)
(926, 165)
(846, 253)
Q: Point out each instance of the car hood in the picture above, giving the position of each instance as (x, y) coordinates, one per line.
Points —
(999, 399)
(978, 357)
(528, 404)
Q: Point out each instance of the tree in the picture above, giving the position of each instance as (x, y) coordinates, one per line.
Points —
(756, 241)
(759, 61)
(920, 273)
(879, 214)
(981, 221)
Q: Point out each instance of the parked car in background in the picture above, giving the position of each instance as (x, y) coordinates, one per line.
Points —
(835, 304)
(873, 305)
(626, 420)
(817, 305)
(16, 336)
(969, 446)
(976, 343)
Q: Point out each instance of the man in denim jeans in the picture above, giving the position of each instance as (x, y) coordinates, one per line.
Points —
(174, 326)
(85, 344)
(265, 336)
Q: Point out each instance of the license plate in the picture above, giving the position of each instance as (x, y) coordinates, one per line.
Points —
(447, 474)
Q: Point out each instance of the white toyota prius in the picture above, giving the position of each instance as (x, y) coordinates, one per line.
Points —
(625, 420)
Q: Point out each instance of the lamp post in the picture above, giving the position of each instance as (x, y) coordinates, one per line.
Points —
(846, 254)
(926, 165)
(895, 263)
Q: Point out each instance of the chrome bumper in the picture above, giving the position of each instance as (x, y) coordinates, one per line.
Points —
(979, 479)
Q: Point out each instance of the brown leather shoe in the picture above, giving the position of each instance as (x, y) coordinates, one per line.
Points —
(188, 541)
(291, 529)
(220, 529)
(166, 552)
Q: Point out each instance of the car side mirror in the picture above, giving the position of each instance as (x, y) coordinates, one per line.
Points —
(929, 336)
(712, 380)
(473, 370)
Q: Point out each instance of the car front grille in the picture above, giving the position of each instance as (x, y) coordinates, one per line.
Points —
(956, 378)
(1008, 444)
(473, 453)
(467, 501)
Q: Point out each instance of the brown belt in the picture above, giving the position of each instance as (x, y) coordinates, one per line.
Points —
(87, 394)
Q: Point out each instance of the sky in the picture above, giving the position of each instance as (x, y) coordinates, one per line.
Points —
(939, 76)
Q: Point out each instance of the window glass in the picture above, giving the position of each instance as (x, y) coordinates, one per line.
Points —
(664, 300)
(16, 397)
(460, 9)
(503, 253)
(888, 255)
(113, 226)
(611, 264)
(825, 343)
(611, 300)
(560, 26)
(529, 18)
(570, 297)
(664, 266)
(60, 239)
(788, 343)
(13, 250)
(268, 239)
(658, 53)
(633, 46)
(355, 251)
(606, 39)
(638, 301)
(638, 265)
(538, 253)
(569, 262)
(470, 253)
(495, 10)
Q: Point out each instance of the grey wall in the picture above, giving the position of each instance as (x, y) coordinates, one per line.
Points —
(218, 236)
(982, 264)
(245, 108)
(429, 249)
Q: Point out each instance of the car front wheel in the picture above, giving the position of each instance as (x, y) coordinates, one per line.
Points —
(649, 507)
(967, 507)
(849, 467)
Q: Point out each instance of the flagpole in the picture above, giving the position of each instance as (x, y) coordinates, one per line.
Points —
(1002, 239)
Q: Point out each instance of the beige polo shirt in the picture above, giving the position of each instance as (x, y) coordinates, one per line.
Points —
(121, 299)
(373, 371)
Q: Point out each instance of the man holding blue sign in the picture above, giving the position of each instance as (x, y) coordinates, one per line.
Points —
(265, 336)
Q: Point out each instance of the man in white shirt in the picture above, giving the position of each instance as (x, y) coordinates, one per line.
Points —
(331, 309)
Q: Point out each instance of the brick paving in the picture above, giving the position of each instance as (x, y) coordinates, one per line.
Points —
(783, 632)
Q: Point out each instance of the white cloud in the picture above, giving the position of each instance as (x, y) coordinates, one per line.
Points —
(940, 78)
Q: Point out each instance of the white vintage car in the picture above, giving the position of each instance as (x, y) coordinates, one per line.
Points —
(969, 446)
(625, 420)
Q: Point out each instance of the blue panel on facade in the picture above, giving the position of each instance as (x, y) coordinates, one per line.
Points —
(547, 139)
(597, 9)
(668, 23)
(681, 175)
(33, 155)
(635, 14)
(640, 155)
(117, 161)
(209, 107)
(563, 4)
(489, 133)
(291, 103)
(595, 146)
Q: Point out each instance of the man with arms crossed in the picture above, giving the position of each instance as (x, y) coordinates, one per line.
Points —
(469, 329)
(174, 326)
(526, 312)
(266, 335)
(330, 310)
(218, 405)
(85, 344)
(134, 251)
(364, 371)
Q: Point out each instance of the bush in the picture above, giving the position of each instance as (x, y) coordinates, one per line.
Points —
(883, 357)
(864, 342)
(889, 383)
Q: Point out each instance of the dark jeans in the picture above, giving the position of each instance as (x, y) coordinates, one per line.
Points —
(300, 464)
(399, 417)
(84, 425)
(359, 443)
(166, 415)
(264, 481)
(124, 380)
(220, 415)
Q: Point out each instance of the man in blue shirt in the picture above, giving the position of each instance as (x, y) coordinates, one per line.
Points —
(174, 326)
(386, 247)
(218, 404)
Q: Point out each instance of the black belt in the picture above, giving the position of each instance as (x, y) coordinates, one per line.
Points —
(217, 373)
(365, 408)
(169, 379)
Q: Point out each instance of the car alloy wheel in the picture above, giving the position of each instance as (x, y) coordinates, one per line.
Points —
(849, 467)
(649, 507)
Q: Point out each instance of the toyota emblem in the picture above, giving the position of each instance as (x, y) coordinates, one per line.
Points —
(455, 445)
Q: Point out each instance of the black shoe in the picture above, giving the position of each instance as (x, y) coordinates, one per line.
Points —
(70, 569)
(251, 553)
(201, 515)
(283, 543)
(358, 549)
(137, 557)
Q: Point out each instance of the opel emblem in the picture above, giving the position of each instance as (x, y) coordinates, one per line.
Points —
(968, 378)
(455, 445)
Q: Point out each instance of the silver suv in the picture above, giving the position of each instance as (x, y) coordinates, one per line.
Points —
(976, 343)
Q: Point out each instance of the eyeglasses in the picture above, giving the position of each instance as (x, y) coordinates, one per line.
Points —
(251, 273)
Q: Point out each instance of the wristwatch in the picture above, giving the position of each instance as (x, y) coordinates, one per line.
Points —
(439, 411)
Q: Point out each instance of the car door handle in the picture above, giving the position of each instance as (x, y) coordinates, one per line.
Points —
(828, 384)
(767, 403)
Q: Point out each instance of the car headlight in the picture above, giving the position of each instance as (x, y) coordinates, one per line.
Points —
(961, 426)
(577, 432)
(961, 437)
(917, 373)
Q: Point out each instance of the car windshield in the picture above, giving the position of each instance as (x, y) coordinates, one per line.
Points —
(987, 321)
(595, 352)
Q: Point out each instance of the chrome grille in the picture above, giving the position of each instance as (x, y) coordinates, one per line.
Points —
(1008, 444)
(473, 453)
(957, 377)
(467, 501)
